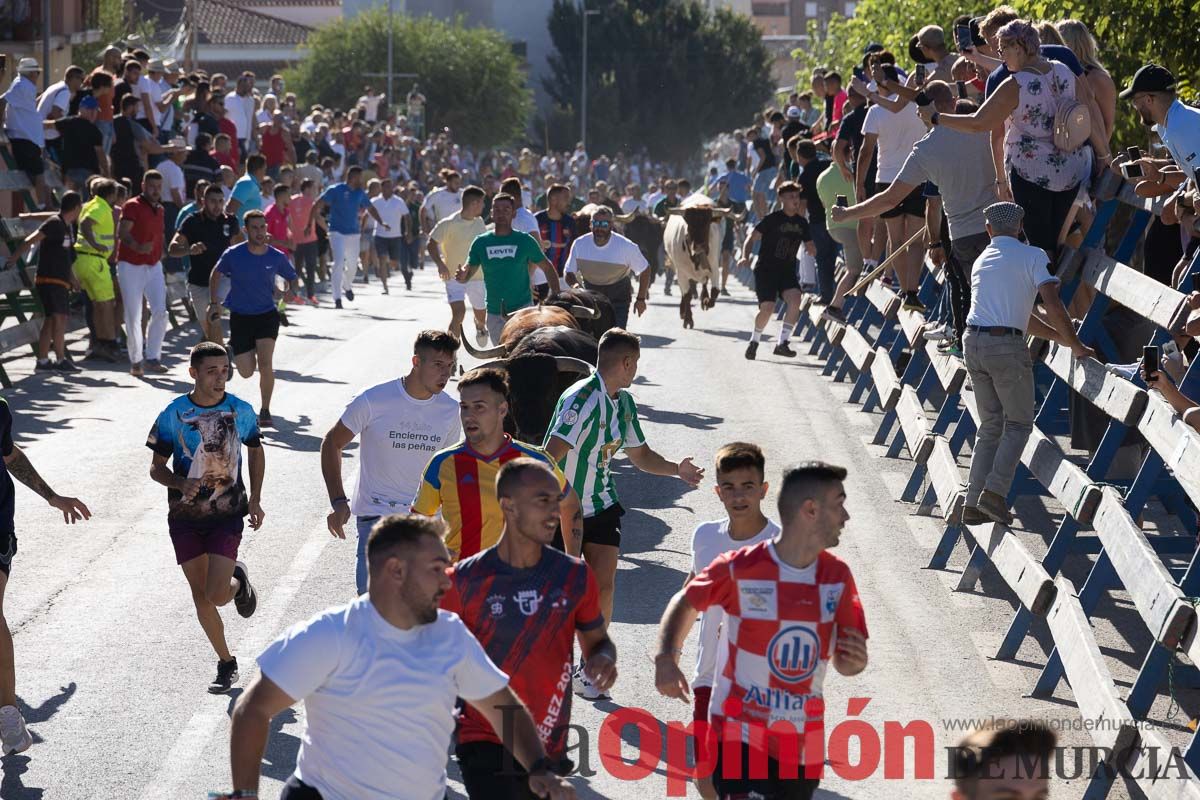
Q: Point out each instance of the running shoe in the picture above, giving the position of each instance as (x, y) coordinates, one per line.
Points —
(246, 599)
(751, 351)
(14, 736)
(833, 314)
(941, 334)
(337, 304)
(314, 302)
(385, 289)
(952, 349)
(264, 419)
(350, 295)
(724, 292)
(585, 688)
(155, 367)
(994, 507)
(44, 366)
(67, 365)
(782, 349)
(481, 337)
(227, 675)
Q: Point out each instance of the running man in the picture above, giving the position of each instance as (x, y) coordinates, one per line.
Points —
(449, 245)
(345, 202)
(605, 260)
(741, 486)
(203, 238)
(803, 613)
(401, 422)
(594, 419)
(509, 259)
(555, 595)
(202, 432)
(14, 737)
(379, 677)
(780, 234)
(252, 268)
(460, 481)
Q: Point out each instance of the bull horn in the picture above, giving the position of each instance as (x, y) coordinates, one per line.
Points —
(583, 312)
(569, 364)
(500, 351)
(674, 212)
(625, 219)
(499, 363)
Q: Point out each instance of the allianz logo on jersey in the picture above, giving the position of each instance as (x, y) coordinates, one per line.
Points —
(502, 251)
(777, 699)
(794, 653)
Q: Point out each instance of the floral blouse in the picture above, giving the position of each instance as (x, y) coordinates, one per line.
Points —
(1029, 143)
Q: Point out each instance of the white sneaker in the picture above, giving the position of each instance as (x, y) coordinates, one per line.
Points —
(938, 334)
(586, 689)
(14, 736)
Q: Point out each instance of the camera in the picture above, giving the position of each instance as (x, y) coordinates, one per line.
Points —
(919, 73)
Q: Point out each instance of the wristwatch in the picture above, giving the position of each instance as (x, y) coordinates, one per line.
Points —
(334, 502)
(934, 246)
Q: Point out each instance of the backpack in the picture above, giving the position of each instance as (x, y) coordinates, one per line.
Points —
(1072, 121)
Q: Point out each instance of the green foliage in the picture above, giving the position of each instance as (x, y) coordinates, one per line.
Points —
(117, 22)
(470, 77)
(663, 74)
(1130, 34)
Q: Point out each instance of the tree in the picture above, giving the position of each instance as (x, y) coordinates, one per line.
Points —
(118, 22)
(1130, 35)
(471, 79)
(663, 74)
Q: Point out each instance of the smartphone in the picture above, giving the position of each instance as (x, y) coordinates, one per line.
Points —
(919, 72)
(962, 90)
(1134, 153)
(844, 202)
(962, 36)
(1151, 358)
(1131, 170)
(858, 73)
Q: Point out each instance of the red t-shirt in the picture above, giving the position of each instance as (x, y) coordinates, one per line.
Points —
(147, 221)
(225, 125)
(526, 620)
(273, 148)
(226, 159)
(277, 226)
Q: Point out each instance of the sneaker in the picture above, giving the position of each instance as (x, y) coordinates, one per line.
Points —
(227, 675)
(938, 334)
(385, 289)
(136, 369)
(724, 292)
(913, 303)
(14, 736)
(834, 315)
(337, 303)
(408, 284)
(952, 350)
(264, 419)
(67, 365)
(751, 351)
(973, 516)
(155, 367)
(314, 302)
(350, 294)
(246, 599)
(44, 366)
(782, 349)
(283, 320)
(585, 689)
(995, 508)
(481, 337)
(1126, 371)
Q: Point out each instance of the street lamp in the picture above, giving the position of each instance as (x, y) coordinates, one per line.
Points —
(584, 79)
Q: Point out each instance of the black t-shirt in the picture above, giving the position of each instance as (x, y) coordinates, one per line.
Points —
(207, 123)
(782, 237)
(7, 510)
(302, 146)
(214, 234)
(199, 166)
(124, 154)
(56, 251)
(793, 128)
(808, 186)
(851, 130)
(80, 139)
(120, 89)
(765, 153)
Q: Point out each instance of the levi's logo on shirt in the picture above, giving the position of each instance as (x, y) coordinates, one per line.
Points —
(502, 251)
(758, 599)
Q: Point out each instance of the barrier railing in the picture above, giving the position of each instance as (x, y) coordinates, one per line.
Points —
(929, 412)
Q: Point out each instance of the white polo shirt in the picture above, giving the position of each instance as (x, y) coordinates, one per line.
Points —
(1005, 282)
(604, 266)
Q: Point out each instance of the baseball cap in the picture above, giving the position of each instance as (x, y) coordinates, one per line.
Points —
(1150, 78)
(89, 102)
(873, 47)
(914, 51)
(793, 112)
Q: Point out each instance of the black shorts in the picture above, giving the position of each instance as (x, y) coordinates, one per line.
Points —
(389, 247)
(772, 787)
(296, 789)
(604, 527)
(913, 204)
(28, 157)
(727, 241)
(246, 329)
(489, 772)
(772, 279)
(53, 298)
(8, 549)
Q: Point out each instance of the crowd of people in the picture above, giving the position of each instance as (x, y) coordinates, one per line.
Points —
(482, 559)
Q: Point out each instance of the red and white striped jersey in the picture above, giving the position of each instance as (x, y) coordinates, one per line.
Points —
(782, 626)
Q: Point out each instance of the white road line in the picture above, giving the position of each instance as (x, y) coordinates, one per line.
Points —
(172, 777)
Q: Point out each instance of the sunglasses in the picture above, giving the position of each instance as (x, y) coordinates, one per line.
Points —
(601, 223)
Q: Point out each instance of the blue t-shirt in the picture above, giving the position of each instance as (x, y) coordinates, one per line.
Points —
(252, 278)
(1054, 52)
(205, 443)
(247, 193)
(739, 186)
(344, 205)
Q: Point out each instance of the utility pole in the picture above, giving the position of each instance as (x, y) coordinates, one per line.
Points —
(45, 45)
(391, 98)
(584, 77)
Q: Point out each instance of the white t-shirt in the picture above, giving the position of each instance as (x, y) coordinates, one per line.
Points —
(605, 265)
(526, 222)
(144, 88)
(58, 95)
(631, 204)
(1005, 282)
(241, 112)
(391, 210)
(397, 437)
(173, 179)
(372, 106)
(710, 540)
(155, 92)
(897, 133)
(441, 203)
(378, 700)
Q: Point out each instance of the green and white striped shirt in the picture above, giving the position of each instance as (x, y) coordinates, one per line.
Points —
(596, 426)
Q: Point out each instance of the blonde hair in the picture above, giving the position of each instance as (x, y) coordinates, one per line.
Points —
(1048, 33)
(1076, 36)
(996, 19)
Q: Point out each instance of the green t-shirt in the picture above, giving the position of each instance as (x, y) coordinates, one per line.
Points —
(830, 184)
(505, 262)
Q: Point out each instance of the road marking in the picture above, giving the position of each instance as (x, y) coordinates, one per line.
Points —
(172, 777)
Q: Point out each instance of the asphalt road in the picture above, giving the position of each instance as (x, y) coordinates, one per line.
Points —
(112, 666)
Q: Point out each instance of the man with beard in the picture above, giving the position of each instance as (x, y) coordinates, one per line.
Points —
(605, 261)
(379, 677)
(1152, 95)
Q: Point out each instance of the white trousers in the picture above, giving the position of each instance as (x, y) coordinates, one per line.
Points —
(137, 282)
(345, 259)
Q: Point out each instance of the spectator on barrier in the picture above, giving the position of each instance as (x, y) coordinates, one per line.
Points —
(831, 183)
(55, 103)
(811, 163)
(23, 125)
(1076, 36)
(1006, 280)
(1152, 95)
(55, 240)
(131, 142)
(140, 274)
(82, 146)
(1004, 758)
(1043, 179)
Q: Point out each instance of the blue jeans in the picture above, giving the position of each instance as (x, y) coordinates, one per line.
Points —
(360, 566)
(106, 133)
(827, 251)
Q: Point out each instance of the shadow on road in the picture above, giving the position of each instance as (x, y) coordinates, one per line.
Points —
(12, 786)
(292, 435)
(296, 377)
(655, 584)
(703, 422)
